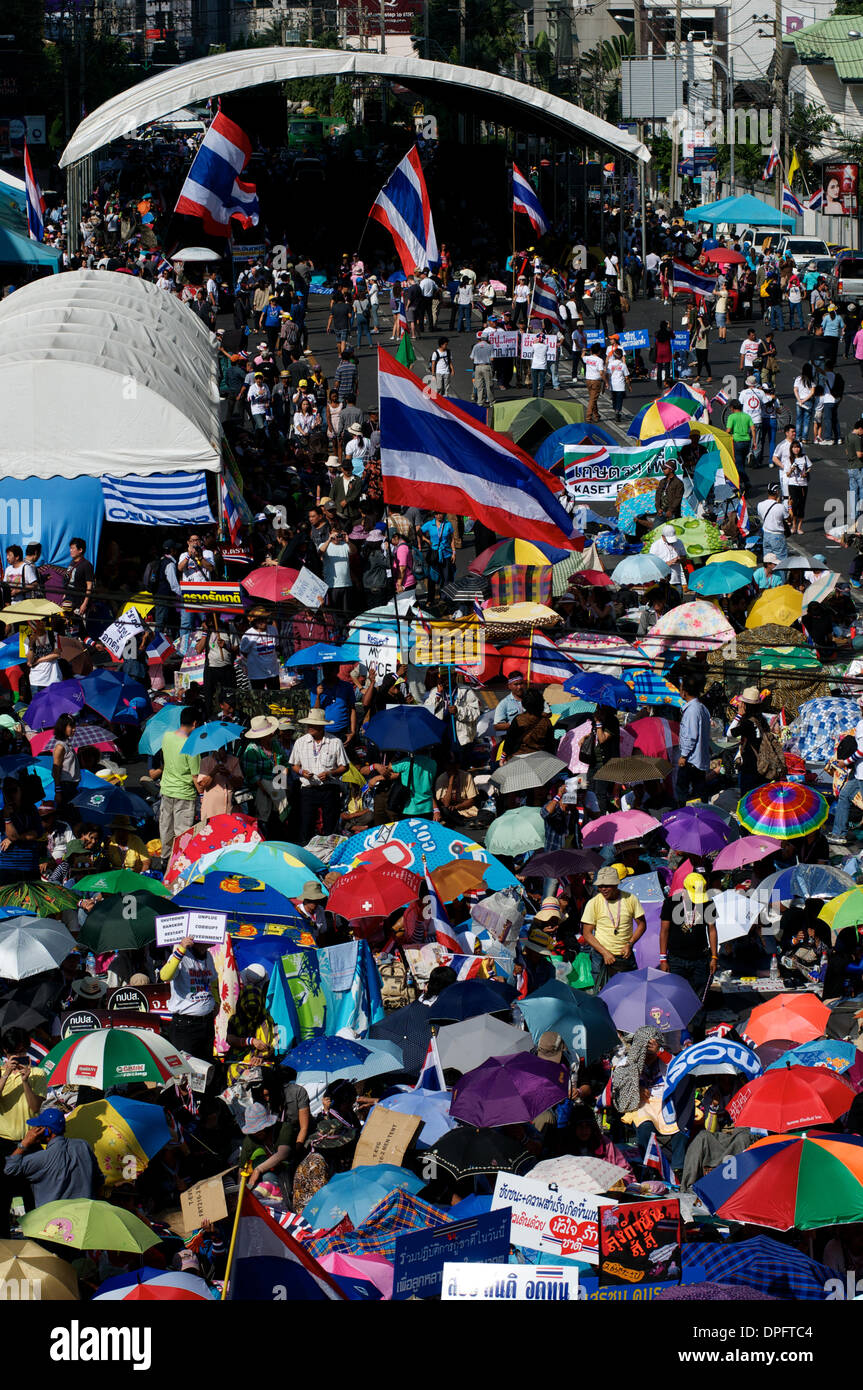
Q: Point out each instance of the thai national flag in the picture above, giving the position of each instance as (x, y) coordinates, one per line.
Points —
(547, 663)
(159, 649)
(402, 207)
(772, 161)
(525, 200)
(401, 317)
(35, 201)
(229, 511)
(655, 1160)
(269, 1266)
(37, 1052)
(546, 292)
(434, 455)
(478, 611)
(444, 934)
(431, 1077)
(605, 1099)
(685, 278)
(790, 203)
(743, 517)
(213, 190)
(814, 203)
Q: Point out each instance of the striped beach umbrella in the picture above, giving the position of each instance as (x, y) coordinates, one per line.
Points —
(113, 1057)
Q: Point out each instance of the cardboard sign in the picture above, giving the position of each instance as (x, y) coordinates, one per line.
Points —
(308, 589)
(209, 927)
(556, 1220)
(118, 636)
(386, 1137)
(504, 342)
(216, 596)
(639, 1243)
(421, 1255)
(529, 339)
(82, 1021)
(487, 1283)
(203, 1202)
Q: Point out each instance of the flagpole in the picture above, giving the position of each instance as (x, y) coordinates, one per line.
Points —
(244, 1175)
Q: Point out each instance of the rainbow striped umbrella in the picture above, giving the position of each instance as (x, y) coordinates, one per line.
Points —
(786, 1181)
(785, 810)
(659, 419)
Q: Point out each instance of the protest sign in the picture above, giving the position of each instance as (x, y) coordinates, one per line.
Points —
(589, 480)
(191, 671)
(215, 596)
(118, 636)
(639, 1242)
(529, 340)
(379, 649)
(308, 589)
(680, 341)
(449, 644)
(387, 1135)
(488, 1283)
(634, 338)
(203, 1202)
(421, 1255)
(504, 342)
(589, 1290)
(206, 927)
(563, 1222)
(595, 337)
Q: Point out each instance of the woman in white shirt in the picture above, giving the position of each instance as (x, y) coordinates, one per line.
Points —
(43, 658)
(520, 301)
(797, 471)
(804, 395)
(20, 577)
(618, 379)
(306, 419)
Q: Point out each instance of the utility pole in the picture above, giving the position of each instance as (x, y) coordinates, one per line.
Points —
(779, 88)
(678, 35)
(462, 26)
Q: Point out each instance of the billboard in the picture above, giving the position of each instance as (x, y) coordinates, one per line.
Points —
(839, 182)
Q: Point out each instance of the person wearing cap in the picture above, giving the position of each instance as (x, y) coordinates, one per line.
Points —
(750, 727)
(310, 906)
(65, 1170)
(259, 648)
(259, 756)
(774, 513)
(670, 548)
(752, 401)
(833, 330)
(357, 450)
(192, 975)
(611, 923)
(320, 761)
(668, 498)
(688, 944)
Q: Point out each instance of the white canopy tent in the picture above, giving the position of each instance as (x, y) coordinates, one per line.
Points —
(103, 374)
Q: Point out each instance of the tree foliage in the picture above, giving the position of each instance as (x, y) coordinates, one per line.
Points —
(493, 33)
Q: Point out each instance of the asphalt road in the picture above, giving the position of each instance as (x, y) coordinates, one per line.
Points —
(828, 481)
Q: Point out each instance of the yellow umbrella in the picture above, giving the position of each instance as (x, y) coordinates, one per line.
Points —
(725, 447)
(35, 1274)
(28, 609)
(740, 557)
(829, 910)
(782, 605)
(142, 604)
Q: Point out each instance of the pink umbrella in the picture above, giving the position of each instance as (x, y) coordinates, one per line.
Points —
(652, 736)
(680, 873)
(569, 745)
(620, 826)
(374, 1269)
(747, 850)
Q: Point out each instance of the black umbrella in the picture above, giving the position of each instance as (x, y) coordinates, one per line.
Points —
(805, 348)
(123, 921)
(29, 1003)
(469, 998)
(467, 1153)
(559, 863)
(410, 1028)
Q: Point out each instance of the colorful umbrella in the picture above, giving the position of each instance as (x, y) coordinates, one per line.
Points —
(31, 945)
(102, 804)
(39, 898)
(83, 1224)
(509, 1090)
(786, 1182)
(726, 578)
(35, 1273)
(805, 881)
(113, 1057)
(819, 724)
(746, 558)
(30, 608)
(630, 771)
(722, 255)
(407, 843)
(696, 832)
(785, 810)
(844, 911)
(694, 626)
(364, 1268)
(658, 420)
(271, 863)
(639, 997)
(356, 1193)
(516, 552)
(749, 849)
(118, 1129)
(122, 881)
(782, 605)
(797, 1018)
(154, 1286)
(163, 721)
(366, 893)
(582, 1020)
(618, 827)
(768, 1266)
(831, 1053)
(460, 876)
(516, 832)
(272, 583)
(220, 832)
(711, 1057)
(327, 1059)
(239, 896)
(790, 1098)
(649, 688)
(719, 442)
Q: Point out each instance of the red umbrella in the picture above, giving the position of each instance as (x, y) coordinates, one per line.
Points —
(799, 1017)
(653, 736)
(233, 828)
(273, 583)
(374, 892)
(791, 1098)
(596, 577)
(720, 255)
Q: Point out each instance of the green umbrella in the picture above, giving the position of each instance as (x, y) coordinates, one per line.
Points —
(122, 881)
(699, 537)
(516, 832)
(84, 1224)
(123, 922)
(41, 898)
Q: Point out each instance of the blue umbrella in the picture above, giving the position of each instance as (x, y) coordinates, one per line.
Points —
(356, 1193)
(582, 1020)
(432, 1107)
(106, 801)
(255, 899)
(164, 721)
(328, 1059)
(823, 1052)
(147, 1123)
(109, 695)
(406, 728)
(725, 577)
(323, 653)
(209, 737)
(64, 697)
(414, 838)
(271, 862)
(469, 998)
(773, 1268)
(10, 653)
(605, 690)
(806, 881)
(712, 1057)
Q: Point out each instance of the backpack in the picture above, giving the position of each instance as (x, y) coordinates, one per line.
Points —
(397, 986)
(771, 760)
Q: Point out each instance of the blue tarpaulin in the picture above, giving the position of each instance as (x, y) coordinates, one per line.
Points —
(30, 511)
(22, 250)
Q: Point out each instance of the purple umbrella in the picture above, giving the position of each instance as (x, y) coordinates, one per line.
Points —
(650, 996)
(509, 1090)
(65, 697)
(696, 832)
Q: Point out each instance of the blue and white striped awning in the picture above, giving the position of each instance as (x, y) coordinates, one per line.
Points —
(159, 499)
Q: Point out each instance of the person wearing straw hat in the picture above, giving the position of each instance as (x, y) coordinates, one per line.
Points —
(310, 906)
(750, 727)
(612, 922)
(320, 761)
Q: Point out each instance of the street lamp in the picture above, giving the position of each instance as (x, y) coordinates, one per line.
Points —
(730, 130)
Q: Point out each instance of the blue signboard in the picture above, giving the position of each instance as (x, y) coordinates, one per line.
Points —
(680, 341)
(421, 1255)
(637, 338)
(595, 337)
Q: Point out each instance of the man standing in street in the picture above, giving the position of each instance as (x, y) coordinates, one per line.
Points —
(594, 375)
(612, 922)
(693, 748)
(481, 355)
(424, 302)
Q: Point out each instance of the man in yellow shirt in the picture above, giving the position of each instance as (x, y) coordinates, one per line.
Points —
(125, 850)
(611, 923)
(22, 1091)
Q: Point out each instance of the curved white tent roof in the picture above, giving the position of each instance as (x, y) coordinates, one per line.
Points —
(103, 373)
(497, 98)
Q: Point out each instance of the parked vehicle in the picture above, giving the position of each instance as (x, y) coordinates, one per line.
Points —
(846, 279)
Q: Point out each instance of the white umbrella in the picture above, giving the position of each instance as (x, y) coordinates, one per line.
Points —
(528, 770)
(584, 1174)
(32, 945)
(820, 588)
(196, 254)
(465, 1046)
(735, 913)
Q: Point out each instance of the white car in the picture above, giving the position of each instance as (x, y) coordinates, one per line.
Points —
(803, 249)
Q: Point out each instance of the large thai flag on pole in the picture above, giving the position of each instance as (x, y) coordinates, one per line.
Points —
(213, 189)
(685, 278)
(546, 292)
(436, 456)
(525, 200)
(790, 203)
(402, 207)
(35, 201)
(548, 665)
(814, 203)
(269, 1266)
